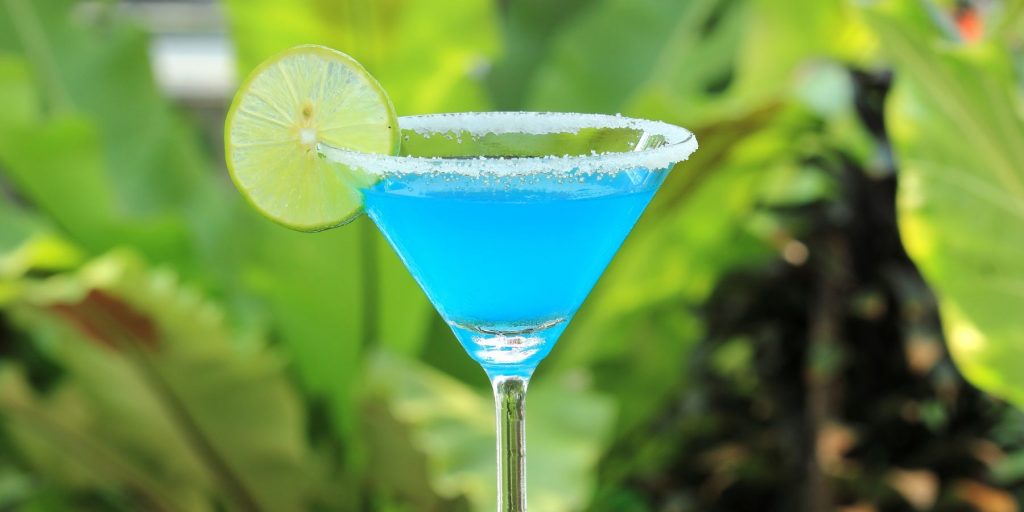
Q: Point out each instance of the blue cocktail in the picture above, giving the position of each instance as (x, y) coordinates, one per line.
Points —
(507, 220)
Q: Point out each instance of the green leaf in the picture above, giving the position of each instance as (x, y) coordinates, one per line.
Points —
(42, 251)
(95, 146)
(664, 71)
(453, 426)
(691, 62)
(780, 38)
(29, 243)
(529, 27)
(70, 186)
(18, 102)
(53, 435)
(312, 287)
(428, 55)
(1009, 21)
(16, 487)
(193, 411)
(153, 163)
(959, 142)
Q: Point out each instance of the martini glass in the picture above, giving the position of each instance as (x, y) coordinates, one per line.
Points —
(506, 220)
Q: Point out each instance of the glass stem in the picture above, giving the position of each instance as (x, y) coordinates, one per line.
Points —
(510, 402)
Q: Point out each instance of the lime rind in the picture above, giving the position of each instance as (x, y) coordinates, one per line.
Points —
(289, 105)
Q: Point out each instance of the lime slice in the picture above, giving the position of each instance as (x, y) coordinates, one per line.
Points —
(289, 104)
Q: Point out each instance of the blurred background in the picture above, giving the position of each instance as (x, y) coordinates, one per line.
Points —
(822, 310)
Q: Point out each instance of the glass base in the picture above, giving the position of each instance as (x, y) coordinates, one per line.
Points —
(509, 350)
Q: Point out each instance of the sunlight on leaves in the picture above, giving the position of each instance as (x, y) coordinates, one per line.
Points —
(429, 56)
(960, 146)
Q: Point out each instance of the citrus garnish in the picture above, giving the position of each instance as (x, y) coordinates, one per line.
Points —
(289, 104)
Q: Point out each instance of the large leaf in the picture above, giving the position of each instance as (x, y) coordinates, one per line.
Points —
(689, 62)
(955, 121)
(429, 56)
(320, 297)
(18, 100)
(654, 58)
(453, 426)
(312, 288)
(69, 184)
(156, 391)
(781, 38)
(55, 436)
(529, 27)
(108, 158)
(74, 59)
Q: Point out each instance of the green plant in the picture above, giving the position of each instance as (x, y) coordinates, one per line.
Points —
(959, 141)
(162, 347)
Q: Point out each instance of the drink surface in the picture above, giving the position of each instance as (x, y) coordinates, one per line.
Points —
(508, 261)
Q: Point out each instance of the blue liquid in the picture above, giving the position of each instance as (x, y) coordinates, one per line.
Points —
(507, 262)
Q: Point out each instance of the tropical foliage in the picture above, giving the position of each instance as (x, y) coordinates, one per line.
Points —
(761, 342)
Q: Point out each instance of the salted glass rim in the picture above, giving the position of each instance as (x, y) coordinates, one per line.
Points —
(679, 143)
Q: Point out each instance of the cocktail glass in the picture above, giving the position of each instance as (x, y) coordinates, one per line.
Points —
(506, 220)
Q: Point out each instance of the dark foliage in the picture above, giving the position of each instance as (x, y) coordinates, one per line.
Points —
(823, 381)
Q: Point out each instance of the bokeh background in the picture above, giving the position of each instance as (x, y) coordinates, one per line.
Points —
(822, 310)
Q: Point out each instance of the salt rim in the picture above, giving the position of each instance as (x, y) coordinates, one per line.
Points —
(680, 143)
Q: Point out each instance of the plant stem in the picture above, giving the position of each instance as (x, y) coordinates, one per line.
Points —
(822, 383)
